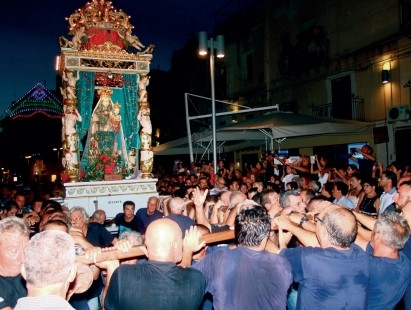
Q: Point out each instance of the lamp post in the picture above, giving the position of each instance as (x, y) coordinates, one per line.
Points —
(58, 150)
(202, 51)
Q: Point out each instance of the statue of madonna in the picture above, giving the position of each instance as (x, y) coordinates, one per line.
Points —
(106, 133)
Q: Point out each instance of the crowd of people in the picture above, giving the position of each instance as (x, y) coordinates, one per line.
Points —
(306, 234)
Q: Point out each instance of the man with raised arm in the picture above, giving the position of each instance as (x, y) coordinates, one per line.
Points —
(389, 267)
(334, 275)
(247, 277)
(158, 283)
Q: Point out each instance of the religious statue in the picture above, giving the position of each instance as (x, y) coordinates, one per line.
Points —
(132, 155)
(131, 40)
(105, 135)
(71, 116)
(142, 91)
(70, 83)
(70, 157)
(144, 119)
(146, 161)
(80, 37)
(115, 120)
(146, 153)
(103, 51)
(63, 93)
(101, 128)
(70, 140)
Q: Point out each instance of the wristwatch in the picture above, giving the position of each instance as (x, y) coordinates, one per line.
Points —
(303, 220)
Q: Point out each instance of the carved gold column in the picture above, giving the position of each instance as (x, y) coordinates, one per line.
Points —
(146, 153)
(70, 158)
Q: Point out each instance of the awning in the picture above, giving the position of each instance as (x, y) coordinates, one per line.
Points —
(287, 124)
(257, 131)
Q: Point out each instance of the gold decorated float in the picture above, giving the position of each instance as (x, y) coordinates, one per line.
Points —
(106, 133)
(104, 69)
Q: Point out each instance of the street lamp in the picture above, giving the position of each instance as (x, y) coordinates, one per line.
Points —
(58, 150)
(28, 157)
(203, 44)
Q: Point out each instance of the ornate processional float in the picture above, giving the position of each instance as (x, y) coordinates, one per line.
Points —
(105, 102)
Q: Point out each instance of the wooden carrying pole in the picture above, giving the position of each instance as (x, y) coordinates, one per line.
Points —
(111, 254)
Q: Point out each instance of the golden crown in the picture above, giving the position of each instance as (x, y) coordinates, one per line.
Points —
(117, 106)
(105, 92)
(99, 14)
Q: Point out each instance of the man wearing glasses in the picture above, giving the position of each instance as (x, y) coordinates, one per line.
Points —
(388, 183)
(219, 186)
(335, 274)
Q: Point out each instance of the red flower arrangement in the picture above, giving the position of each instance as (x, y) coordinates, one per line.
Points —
(104, 164)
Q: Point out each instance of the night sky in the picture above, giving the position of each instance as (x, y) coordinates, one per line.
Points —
(29, 32)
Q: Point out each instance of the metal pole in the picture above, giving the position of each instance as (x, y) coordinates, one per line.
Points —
(190, 146)
(213, 117)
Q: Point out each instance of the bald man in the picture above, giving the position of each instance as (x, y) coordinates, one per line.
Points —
(145, 216)
(177, 207)
(99, 216)
(338, 269)
(159, 283)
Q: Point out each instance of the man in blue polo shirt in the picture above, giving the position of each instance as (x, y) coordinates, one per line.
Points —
(247, 277)
(145, 216)
(336, 274)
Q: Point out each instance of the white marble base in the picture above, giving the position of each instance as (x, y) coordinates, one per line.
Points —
(109, 195)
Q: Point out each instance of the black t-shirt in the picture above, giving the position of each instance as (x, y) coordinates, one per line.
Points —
(155, 285)
(11, 289)
(125, 226)
(98, 235)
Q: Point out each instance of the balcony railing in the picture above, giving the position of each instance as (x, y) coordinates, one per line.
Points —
(323, 110)
(326, 110)
(357, 106)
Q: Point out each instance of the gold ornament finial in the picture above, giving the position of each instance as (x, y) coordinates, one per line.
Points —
(100, 14)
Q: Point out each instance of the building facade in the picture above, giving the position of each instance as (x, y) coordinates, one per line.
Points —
(326, 58)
